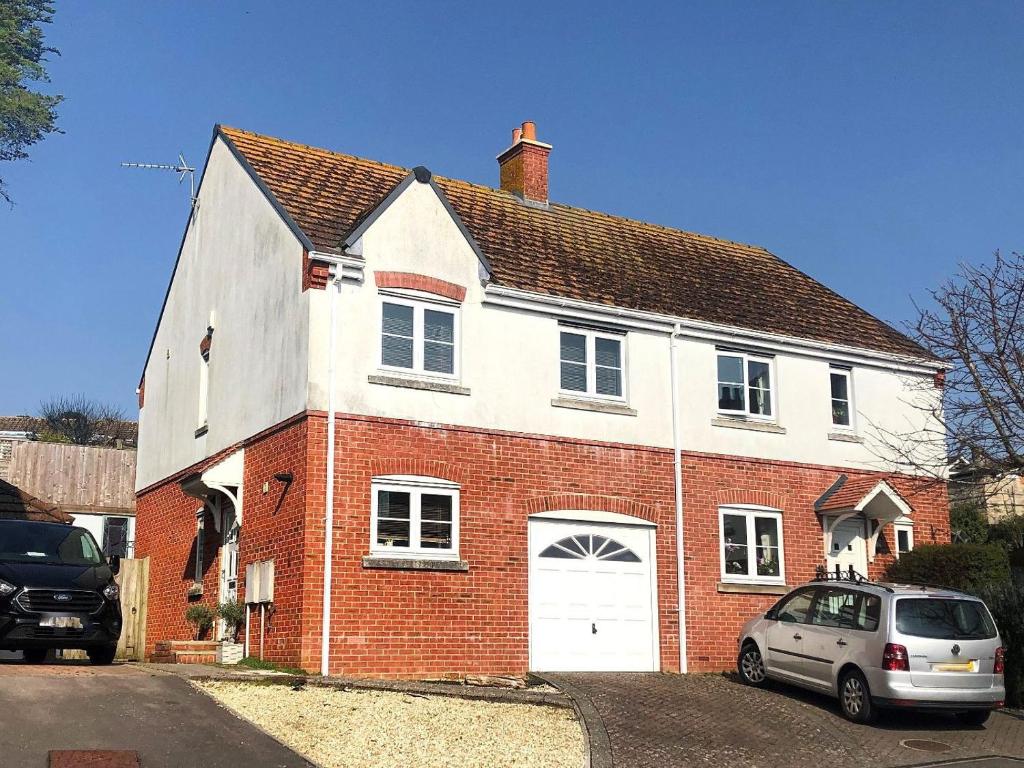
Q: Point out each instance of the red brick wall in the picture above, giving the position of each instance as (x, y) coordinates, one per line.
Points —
(273, 526)
(714, 619)
(436, 624)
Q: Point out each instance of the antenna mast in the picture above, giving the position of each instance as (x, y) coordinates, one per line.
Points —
(182, 168)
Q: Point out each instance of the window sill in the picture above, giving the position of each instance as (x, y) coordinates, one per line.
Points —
(196, 590)
(744, 588)
(845, 437)
(753, 426)
(424, 384)
(593, 405)
(413, 564)
(202, 430)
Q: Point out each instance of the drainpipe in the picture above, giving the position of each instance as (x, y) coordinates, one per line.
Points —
(325, 644)
(677, 462)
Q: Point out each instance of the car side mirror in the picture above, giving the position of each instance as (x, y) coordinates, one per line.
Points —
(115, 564)
(771, 615)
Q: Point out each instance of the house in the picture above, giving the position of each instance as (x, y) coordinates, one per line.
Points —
(999, 494)
(478, 431)
(93, 485)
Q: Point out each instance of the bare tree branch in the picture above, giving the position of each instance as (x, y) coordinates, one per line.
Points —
(82, 421)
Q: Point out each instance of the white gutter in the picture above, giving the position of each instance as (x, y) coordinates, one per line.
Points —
(529, 301)
(677, 467)
(333, 288)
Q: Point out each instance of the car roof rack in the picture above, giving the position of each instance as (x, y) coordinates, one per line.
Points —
(849, 576)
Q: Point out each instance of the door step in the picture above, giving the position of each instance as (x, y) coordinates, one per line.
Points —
(185, 652)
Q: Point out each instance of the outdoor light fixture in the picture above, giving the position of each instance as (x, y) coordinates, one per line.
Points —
(283, 477)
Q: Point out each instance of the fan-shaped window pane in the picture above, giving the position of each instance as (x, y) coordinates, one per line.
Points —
(583, 546)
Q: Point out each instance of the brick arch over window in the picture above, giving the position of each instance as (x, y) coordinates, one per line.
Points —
(422, 467)
(594, 502)
(761, 498)
(417, 282)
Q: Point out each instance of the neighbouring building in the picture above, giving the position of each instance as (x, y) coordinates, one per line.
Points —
(92, 485)
(998, 495)
(464, 423)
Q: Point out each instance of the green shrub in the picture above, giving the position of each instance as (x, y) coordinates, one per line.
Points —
(233, 613)
(1006, 602)
(200, 617)
(965, 567)
(968, 523)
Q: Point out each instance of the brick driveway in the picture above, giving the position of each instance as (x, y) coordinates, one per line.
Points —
(663, 721)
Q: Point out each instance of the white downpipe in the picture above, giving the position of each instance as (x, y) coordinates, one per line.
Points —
(325, 641)
(248, 611)
(677, 462)
(262, 615)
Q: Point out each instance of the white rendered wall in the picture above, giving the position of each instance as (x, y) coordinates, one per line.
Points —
(509, 362)
(241, 262)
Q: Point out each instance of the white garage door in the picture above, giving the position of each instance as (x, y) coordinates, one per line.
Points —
(592, 597)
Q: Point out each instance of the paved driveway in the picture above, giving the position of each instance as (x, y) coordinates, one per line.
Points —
(665, 721)
(72, 705)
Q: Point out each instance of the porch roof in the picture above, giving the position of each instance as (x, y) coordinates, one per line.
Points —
(875, 497)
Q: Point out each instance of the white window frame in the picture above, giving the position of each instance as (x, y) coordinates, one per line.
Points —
(772, 386)
(898, 526)
(591, 335)
(204, 389)
(750, 512)
(835, 370)
(200, 544)
(415, 486)
(418, 307)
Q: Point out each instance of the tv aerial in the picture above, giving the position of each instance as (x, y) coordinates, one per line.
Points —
(181, 167)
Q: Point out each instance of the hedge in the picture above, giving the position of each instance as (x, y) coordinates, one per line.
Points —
(964, 567)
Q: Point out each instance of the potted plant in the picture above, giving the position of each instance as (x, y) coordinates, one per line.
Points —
(232, 613)
(201, 619)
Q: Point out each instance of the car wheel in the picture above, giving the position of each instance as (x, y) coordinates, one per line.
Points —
(103, 654)
(751, 666)
(975, 717)
(855, 698)
(35, 655)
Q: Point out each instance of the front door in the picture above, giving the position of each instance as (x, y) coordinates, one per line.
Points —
(228, 556)
(849, 547)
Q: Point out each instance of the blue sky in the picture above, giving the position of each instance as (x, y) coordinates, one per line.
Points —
(872, 145)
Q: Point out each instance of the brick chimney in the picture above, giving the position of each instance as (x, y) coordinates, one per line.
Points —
(524, 165)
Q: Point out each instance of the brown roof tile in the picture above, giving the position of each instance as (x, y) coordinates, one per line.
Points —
(576, 253)
(21, 505)
(849, 494)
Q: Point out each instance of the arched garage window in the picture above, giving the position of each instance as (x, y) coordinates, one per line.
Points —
(582, 546)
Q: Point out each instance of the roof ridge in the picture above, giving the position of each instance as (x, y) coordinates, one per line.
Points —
(498, 190)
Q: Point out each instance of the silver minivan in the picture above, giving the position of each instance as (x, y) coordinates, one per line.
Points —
(877, 645)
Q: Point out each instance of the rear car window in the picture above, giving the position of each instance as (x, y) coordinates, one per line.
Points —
(847, 609)
(944, 619)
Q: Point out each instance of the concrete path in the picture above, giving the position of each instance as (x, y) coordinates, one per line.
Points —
(665, 721)
(71, 705)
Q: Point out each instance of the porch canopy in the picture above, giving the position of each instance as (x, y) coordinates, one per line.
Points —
(225, 478)
(868, 498)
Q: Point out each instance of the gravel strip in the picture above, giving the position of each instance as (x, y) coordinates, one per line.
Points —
(373, 729)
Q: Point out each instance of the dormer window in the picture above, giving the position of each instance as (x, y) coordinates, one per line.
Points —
(419, 337)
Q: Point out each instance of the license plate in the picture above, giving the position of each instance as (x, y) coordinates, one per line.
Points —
(965, 667)
(61, 622)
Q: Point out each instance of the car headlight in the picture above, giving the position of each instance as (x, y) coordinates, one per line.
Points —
(112, 592)
(6, 588)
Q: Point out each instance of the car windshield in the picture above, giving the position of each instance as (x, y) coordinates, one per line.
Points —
(944, 619)
(26, 542)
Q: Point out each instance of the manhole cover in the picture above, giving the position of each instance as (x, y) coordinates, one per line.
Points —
(925, 745)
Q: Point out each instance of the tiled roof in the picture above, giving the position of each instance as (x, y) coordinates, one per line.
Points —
(576, 253)
(126, 430)
(19, 504)
(848, 494)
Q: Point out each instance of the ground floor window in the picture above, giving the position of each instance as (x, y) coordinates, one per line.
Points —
(414, 516)
(904, 538)
(751, 544)
(115, 536)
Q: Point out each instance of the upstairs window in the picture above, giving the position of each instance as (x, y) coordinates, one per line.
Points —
(591, 363)
(745, 385)
(414, 517)
(842, 401)
(419, 337)
(204, 388)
